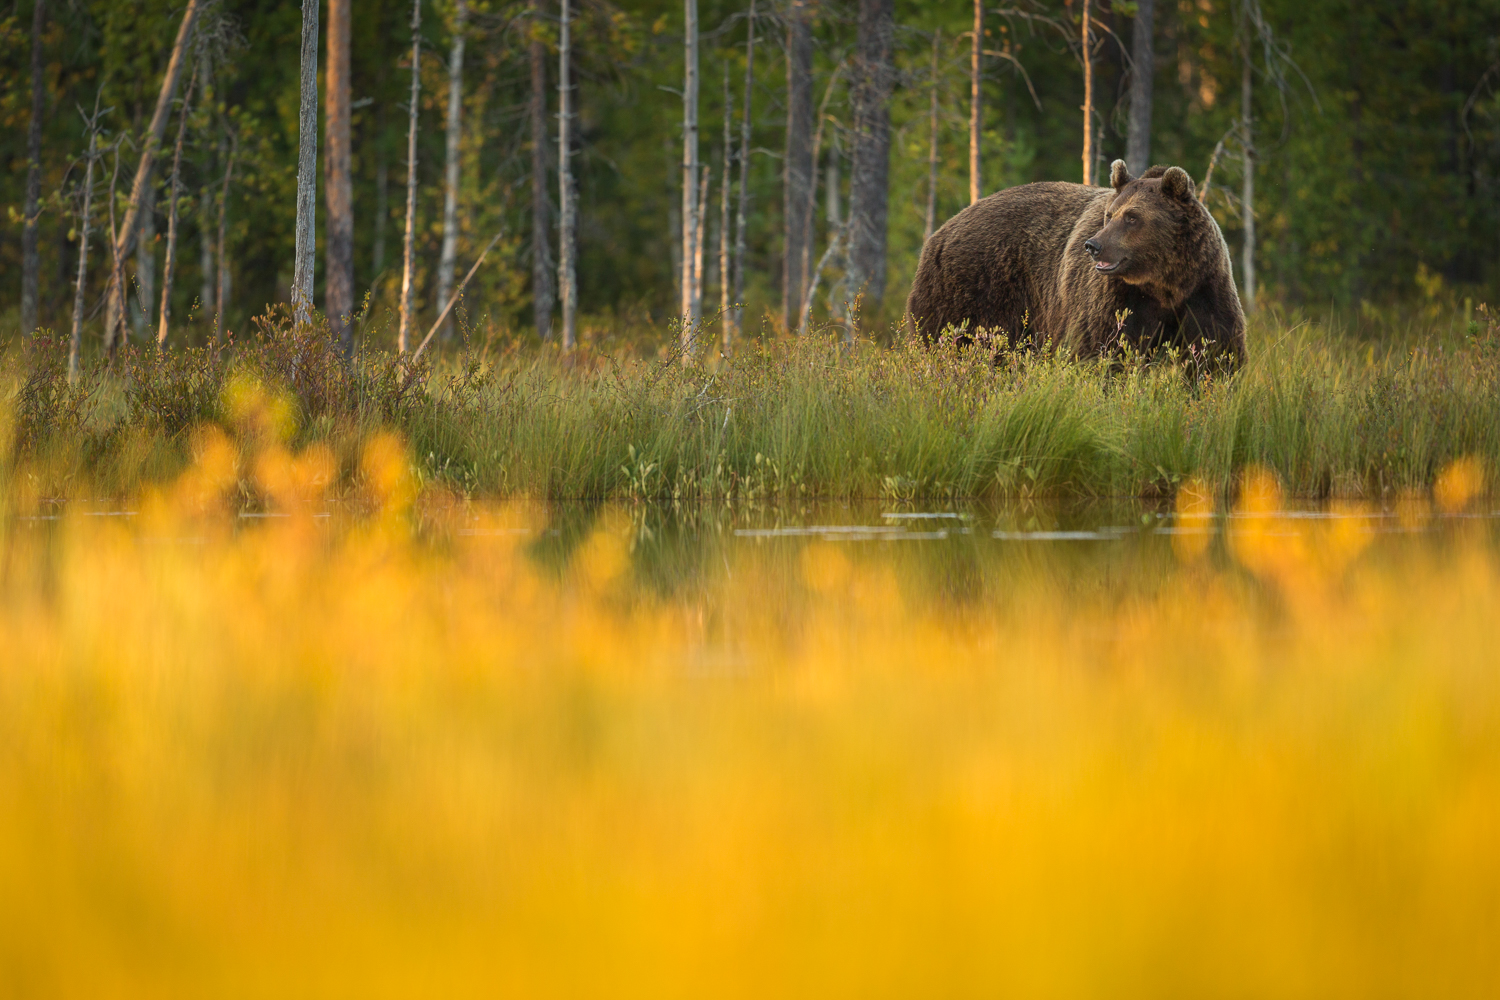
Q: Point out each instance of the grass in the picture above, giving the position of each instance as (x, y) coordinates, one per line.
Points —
(1329, 413)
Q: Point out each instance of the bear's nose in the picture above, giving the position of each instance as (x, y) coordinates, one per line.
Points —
(1093, 247)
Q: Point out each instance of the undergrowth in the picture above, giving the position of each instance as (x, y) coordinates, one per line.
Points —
(782, 419)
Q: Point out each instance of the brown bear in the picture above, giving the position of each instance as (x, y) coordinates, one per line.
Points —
(1082, 269)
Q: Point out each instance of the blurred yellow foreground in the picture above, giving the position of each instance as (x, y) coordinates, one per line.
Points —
(331, 757)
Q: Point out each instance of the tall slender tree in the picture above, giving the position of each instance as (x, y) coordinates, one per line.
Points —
(1248, 19)
(169, 270)
(125, 234)
(408, 260)
(140, 303)
(797, 187)
(31, 261)
(869, 179)
(725, 186)
(742, 206)
(932, 142)
(205, 210)
(567, 276)
(543, 295)
(449, 257)
(689, 300)
(221, 293)
(307, 169)
(1088, 97)
(976, 66)
(338, 287)
(1142, 72)
(75, 343)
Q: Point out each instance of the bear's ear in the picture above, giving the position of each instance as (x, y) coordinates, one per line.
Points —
(1175, 183)
(1119, 175)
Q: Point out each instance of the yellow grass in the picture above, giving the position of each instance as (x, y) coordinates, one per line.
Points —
(330, 758)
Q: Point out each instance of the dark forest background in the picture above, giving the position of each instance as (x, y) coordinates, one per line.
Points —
(1377, 175)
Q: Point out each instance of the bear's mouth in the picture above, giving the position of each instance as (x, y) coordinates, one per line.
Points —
(1103, 267)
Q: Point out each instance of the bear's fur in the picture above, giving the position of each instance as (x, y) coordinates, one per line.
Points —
(1016, 263)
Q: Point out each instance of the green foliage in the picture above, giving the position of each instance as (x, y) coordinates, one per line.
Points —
(1381, 158)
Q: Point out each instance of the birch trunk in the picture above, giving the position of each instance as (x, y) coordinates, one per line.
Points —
(812, 196)
(976, 56)
(567, 276)
(338, 288)
(1138, 142)
(205, 248)
(449, 256)
(1247, 193)
(307, 169)
(698, 241)
(139, 307)
(1088, 100)
(869, 176)
(932, 144)
(76, 341)
(403, 334)
(382, 211)
(725, 183)
(31, 260)
(543, 296)
(206, 198)
(798, 184)
(125, 234)
(689, 300)
(222, 292)
(744, 194)
(164, 316)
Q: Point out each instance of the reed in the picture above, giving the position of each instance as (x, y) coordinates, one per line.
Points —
(1331, 414)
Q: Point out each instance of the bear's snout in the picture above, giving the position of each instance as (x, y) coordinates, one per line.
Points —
(1093, 246)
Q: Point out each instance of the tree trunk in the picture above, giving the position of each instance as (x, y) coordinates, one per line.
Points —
(807, 224)
(403, 334)
(698, 241)
(744, 198)
(382, 211)
(798, 184)
(1088, 100)
(206, 198)
(1138, 143)
(125, 235)
(1247, 194)
(976, 66)
(338, 288)
(307, 169)
(932, 144)
(567, 276)
(869, 178)
(222, 292)
(83, 249)
(449, 256)
(543, 295)
(31, 260)
(139, 306)
(725, 184)
(833, 183)
(688, 301)
(169, 269)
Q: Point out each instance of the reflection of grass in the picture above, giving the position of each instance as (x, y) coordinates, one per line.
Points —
(317, 758)
(1329, 415)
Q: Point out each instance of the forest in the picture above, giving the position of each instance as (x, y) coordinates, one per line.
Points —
(1350, 150)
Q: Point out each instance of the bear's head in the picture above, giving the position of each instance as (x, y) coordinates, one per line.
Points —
(1153, 228)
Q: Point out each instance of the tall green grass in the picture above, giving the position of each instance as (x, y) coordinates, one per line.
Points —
(1330, 414)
